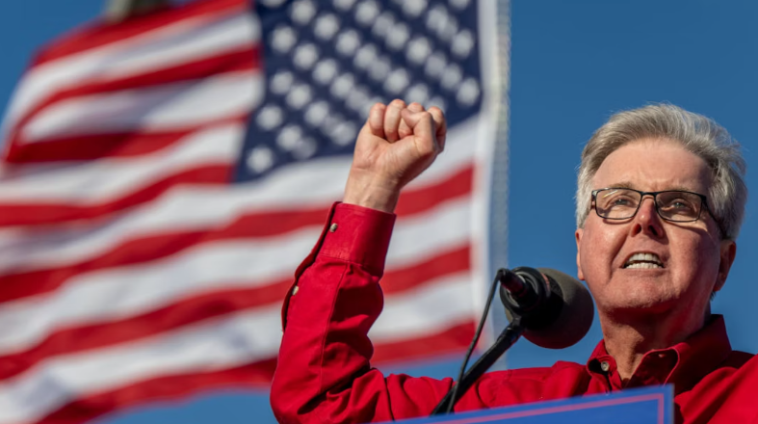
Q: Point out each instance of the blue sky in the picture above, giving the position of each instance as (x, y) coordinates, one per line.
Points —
(573, 65)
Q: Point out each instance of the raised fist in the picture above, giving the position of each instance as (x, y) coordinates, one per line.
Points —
(396, 144)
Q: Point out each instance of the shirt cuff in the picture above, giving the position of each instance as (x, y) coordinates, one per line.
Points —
(358, 235)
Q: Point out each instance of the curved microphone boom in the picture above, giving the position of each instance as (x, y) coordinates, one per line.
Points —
(548, 307)
(556, 310)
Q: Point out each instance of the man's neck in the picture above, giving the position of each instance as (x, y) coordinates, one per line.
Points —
(629, 340)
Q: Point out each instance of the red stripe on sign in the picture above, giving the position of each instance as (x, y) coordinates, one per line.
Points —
(179, 313)
(257, 375)
(453, 339)
(101, 34)
(52, 213)
(228, 63)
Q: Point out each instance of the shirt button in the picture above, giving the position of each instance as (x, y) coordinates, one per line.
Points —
(605, 366)
(333, 227)
(295, 290)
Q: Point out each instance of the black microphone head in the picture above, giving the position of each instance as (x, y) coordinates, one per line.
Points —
(565, 318)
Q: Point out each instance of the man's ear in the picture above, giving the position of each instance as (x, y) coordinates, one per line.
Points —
(578, 236)
(728, 253)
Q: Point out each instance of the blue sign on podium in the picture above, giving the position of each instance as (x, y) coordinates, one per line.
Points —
(650, 405)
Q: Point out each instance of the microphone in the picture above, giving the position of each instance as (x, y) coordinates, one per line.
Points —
(546, 306)
(555, 309)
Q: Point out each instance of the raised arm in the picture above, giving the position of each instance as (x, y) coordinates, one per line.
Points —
(323, 373)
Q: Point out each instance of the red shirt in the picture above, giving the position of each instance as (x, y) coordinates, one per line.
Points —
(324, 376)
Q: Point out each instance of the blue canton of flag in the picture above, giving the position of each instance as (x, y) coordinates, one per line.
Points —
(327, 62)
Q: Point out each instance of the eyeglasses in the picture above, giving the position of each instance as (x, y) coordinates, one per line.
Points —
(671, 205)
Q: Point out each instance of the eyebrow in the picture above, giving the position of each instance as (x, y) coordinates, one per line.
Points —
(627, 184)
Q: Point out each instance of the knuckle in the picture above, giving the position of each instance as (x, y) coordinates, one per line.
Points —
(398, 103)
(415, 107)
(427, 150)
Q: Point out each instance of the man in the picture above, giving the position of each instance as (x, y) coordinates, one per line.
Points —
(660, 199)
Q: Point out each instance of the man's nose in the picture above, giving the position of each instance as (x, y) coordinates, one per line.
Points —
(647, 220)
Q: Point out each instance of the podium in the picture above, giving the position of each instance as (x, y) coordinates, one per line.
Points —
(649, 405)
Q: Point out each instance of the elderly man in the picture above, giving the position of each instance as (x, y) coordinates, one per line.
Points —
(659, 203)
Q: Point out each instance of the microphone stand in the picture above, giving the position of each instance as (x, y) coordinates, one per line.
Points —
(507, 338)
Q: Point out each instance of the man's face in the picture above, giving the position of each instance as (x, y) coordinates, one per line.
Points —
(695, 260)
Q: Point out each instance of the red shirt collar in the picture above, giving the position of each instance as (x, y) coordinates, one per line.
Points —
(683, 364)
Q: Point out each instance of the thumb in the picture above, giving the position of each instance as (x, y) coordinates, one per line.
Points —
(423, 127)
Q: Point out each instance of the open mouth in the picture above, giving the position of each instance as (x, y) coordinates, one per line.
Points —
(643, 261)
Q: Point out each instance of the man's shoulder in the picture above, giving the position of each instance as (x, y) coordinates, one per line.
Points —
(738, 358)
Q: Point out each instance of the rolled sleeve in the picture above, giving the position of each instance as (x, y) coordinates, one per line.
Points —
(358, 235)
(352, 234)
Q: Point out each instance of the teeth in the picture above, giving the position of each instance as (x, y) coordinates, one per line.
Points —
(643, 265)
(644, 261)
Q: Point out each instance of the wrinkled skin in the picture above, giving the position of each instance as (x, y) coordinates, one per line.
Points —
(696, 260)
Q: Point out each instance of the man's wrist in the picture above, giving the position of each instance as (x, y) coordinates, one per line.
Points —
(370, 195)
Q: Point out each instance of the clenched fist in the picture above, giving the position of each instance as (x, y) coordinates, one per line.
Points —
(396, 144)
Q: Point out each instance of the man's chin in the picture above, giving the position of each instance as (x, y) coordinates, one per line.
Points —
(632, 308)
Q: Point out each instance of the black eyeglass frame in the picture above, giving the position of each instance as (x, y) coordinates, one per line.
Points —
(703, 203)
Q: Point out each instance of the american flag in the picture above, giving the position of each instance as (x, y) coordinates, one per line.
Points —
(163, 177)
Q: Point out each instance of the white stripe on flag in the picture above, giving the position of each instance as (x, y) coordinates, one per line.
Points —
(117, 293)
(170, 45)
(420, 237)
(166, 107)
(207, 346)
(315, 183)
(233, 33)
(214, 344)
(94, 182)
(439, 303)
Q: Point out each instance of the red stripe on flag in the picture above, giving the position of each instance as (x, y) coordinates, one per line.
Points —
(51, 213)
(197, 308)
(141, 250)
(262, 224)
(443, 263)
(251, 376)
(411, 202)
(96, 146)
(100, 34)
(453, 339)
(453, 186)
(178, 314)
(230, 62)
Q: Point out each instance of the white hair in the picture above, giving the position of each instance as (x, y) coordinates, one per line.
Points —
(700, 135)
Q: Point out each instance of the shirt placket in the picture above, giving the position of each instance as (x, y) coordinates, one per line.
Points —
(604, 370)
